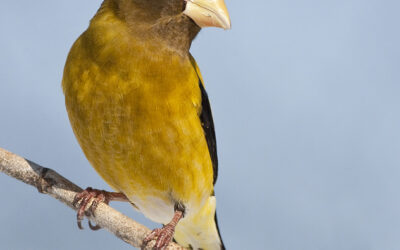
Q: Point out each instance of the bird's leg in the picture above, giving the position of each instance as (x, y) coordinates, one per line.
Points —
(165, 234)
(82, 201)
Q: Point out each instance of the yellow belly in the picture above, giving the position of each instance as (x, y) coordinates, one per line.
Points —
(137, 122)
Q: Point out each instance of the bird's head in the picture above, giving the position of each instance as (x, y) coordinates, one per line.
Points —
(205, 13)
(175, 22)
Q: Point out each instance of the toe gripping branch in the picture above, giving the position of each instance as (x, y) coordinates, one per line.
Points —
(89, 199)
(164, 235)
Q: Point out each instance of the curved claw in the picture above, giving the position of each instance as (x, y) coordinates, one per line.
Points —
(84, 198)
(94, 227)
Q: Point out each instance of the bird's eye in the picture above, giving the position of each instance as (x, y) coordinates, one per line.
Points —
(184, 5)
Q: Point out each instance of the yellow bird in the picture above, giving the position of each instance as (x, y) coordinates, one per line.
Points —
(138, 107)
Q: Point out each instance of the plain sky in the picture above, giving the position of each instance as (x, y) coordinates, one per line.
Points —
(306, 101)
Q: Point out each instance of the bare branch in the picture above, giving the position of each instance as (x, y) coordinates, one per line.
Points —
(50, 182)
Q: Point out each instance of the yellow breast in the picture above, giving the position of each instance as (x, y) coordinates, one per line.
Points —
(135, 112)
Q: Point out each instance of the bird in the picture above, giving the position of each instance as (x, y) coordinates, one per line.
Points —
(137, 104)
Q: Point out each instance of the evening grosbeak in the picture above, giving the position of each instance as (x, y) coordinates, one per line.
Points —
(137, 105)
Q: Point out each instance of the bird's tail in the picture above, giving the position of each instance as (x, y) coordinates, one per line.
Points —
(200, 231)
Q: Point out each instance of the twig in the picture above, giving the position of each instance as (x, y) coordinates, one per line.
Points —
(49, 182)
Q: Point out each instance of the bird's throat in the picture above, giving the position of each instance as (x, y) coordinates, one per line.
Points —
(177, 32)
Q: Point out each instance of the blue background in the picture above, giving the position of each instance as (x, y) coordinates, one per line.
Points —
(305, 96)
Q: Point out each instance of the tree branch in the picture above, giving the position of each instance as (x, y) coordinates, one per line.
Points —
(49, 182)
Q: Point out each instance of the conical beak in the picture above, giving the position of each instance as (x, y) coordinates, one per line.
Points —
(208, 13)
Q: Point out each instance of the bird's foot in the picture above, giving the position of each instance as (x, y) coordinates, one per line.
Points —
(89, 199)
(164, 235)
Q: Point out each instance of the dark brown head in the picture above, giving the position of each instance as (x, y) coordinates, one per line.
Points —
(176, 22)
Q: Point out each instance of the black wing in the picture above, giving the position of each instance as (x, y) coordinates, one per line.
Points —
(208, 126)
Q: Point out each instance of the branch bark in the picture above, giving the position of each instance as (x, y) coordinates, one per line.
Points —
(49, 182)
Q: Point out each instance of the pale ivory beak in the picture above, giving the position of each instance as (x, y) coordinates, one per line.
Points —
(208, 13)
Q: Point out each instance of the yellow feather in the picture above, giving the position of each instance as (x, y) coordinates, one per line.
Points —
(135, 112)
